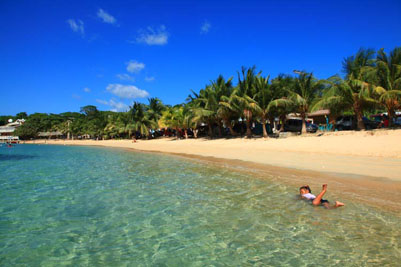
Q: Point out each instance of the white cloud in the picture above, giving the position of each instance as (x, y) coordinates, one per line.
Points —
(103, 102)
(205, 27)
(87, 90)
(115, 106)
(152, 36)
(76, 96)
(77, 26)
(125, 77)
(126, 91)
(106, 17)
(135, 66)
(149, 79)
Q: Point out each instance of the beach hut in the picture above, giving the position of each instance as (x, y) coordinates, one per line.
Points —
(50, 135)
(319, 116)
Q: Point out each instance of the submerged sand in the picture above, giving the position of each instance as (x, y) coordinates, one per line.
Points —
(362, 165)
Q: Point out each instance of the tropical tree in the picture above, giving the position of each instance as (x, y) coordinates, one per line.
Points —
(355, 66)
(242, 96)
(140, 119)
(355, 92)
(21, 115)
(222, 91)
(302, 94)
(263, 96)
(388, 75)
(350, 94)
(280, 106)
(186, 119)
(228, 112)
(115, 127)
(305, 91)
(180, 117)
(155, 109)
(206, 106)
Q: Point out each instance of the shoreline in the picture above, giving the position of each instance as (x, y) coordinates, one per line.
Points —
(351, 177)
(373, 153)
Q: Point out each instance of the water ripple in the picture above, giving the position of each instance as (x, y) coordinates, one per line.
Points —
(96, 206)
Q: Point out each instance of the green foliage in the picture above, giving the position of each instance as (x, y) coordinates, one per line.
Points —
(21, 115)
(27, 131)
(371, 84)
(4, 119)
(353, 65)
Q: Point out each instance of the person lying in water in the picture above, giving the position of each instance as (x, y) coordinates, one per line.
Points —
(318, 200)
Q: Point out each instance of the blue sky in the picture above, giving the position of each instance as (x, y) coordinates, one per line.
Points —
(57, 56)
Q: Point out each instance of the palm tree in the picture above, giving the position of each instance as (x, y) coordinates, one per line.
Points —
(140, 119)
(279, 106)
(228, 112)
(351, 94)
(206, 107)
(355, 65)
(388, 75)
(115, 127)
(303, 93)
(169, 117)
(262, 98)
(186, 119)
(223, 90)
(180, 117)
(243, 95)
(155, 109)
(355, 92)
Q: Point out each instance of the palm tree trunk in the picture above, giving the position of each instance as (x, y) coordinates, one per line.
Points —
(219, 125)
(230, 127)
(272, 123)
(248, 129)
(359, 125)
(303, 131)
(358, 113)
(390, 113)
(282, 119)
(210, 130)
(264, 127)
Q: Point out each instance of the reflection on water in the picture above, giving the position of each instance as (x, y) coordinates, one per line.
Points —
(96, 206)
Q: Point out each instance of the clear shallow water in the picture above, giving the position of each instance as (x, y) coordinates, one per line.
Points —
(95, 206)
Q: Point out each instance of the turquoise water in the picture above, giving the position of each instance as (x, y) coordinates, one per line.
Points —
(107, 207)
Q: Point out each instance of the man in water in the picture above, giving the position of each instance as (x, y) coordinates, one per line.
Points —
(318, 200)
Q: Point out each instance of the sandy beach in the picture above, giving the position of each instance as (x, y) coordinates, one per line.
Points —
(365, 165)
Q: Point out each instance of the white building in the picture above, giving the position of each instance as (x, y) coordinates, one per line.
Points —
(7, 131)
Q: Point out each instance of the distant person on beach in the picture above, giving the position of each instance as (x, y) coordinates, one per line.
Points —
(318, 200)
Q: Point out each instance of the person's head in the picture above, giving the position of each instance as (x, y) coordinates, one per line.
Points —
(304, 189)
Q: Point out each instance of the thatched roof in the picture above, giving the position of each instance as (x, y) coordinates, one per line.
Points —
(47, 134)
(321, 112)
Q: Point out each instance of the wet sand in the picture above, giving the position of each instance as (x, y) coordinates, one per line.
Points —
(361, 166)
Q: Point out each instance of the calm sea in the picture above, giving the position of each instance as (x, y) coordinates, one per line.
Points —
(62, 205)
